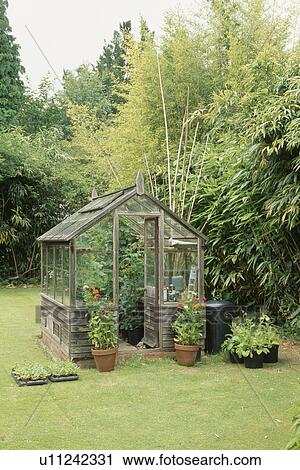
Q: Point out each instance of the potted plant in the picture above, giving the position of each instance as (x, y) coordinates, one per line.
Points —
(30, 374)
(188, 329)
(251, 345)
(272, 339)
(62, 371)
(231, 343)
(102, 330)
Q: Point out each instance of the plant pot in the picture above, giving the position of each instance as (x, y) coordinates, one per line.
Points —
(235, 359)
(29, 383)
(272, 356)
(186, 355)
(198, 355)
(255, 362)
(105, 359)
(135, 336)
(63, 378)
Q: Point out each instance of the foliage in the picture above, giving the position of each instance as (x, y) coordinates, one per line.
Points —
(251, 340)
(294, 444)
(11, 85)
(30, 371)
(37, 190)
(102, 325)
(131, 279)
(188, 326)
(85, 87)
(63, 368)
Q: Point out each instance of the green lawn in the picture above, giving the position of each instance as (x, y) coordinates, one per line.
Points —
(142, 404)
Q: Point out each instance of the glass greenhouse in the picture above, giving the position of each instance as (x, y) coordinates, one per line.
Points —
(137, 253)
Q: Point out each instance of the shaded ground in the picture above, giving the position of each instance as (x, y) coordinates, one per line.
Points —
(142, 404)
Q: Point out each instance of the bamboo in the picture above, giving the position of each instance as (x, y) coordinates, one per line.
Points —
(149, 174)
(178, 157)
(189, 169)
(166, 131)
(197, 184)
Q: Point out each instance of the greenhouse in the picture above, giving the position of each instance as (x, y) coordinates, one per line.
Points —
(136, 253)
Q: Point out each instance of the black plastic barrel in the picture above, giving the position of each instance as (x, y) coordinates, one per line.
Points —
(219, 316)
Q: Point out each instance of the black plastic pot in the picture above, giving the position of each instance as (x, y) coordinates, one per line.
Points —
(63, 378)
(198, 357)
(272, 356)
(235, 359)
(135, 336)
(29, 383)
(255, 362)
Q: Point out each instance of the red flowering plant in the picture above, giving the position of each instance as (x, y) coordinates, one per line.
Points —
(102, 327)
(188, 326)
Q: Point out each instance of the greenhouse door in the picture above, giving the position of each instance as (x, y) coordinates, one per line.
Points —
(151, 310)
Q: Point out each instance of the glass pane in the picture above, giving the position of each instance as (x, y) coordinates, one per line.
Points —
(174, 229)
(94, 254)
(58, 274)
(180, 269)
(44, 268)
(139, 204)
(66, 277)
(151, 250)
(50, 272)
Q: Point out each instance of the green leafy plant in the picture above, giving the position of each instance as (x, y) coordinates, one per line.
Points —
(270, 332)
(63, 369)
(233, 339)
(188, 326)
(30, 371)
(102, 326)
(251, 339)
(131, 286)
(294, 444)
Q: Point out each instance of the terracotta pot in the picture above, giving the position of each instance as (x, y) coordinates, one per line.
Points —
(105, 359)
(186, 355)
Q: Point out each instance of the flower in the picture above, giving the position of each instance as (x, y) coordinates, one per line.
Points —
(196, 306)
(204, 299)
(203, 305)
(85, 287)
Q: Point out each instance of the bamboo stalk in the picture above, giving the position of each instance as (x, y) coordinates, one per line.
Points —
(184, 151)
(197, 184)
(166, 130)
(189, 169)
(149, 174)
(178, 158)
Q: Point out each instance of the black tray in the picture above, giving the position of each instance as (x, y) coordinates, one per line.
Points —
(66, 378)
(22, 383)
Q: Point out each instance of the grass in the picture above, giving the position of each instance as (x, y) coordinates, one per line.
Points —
(142, 404)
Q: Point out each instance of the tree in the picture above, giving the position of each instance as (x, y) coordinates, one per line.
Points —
(11, 85)
(86, 87)
(112, 63)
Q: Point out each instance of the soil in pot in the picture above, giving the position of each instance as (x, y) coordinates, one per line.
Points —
(235, 359)
(186, 355)
(105, 359)
(255, 362)
(272, 356)
(135, 336)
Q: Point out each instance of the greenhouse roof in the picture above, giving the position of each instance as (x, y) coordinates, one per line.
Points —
(100, 206)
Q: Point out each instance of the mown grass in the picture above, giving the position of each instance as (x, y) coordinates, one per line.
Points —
(142, 404)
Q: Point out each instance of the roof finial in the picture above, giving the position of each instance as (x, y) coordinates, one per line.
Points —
(139, 183)
(94, 193)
